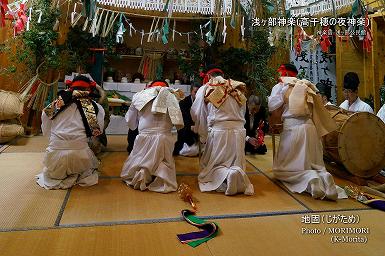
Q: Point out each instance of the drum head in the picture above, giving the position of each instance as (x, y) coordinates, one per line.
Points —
(361, 144)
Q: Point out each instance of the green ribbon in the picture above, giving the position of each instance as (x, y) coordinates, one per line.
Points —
(210, 38)
(355, 7)
(166, 5)
(166, 31)
(208, 230)
(89, 8)
(159, 71)
(200, 221)
(270, 6)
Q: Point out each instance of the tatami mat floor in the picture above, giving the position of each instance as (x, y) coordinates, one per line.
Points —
(22, 203)
(113, 219)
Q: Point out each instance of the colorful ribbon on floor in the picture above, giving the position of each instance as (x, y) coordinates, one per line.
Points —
(369, 200)
(209, 230)
(376, 203)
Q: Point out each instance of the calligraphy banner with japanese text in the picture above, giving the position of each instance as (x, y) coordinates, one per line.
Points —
(316, 66)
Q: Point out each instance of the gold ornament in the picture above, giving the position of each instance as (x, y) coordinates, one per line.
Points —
(185, 193)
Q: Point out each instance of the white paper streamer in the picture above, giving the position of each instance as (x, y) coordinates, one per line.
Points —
(40, 13)
(119, 34)
(105, 24)
(206, 7)
(73, 14)
(111, 23)
(85, 25)
(243, 28)
(99, 23)
(130, 25)
(94, 22)
(141, 41)
(149, 35)
(173, 31)
(224, 33)
(29, 18)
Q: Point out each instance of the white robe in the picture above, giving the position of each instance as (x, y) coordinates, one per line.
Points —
(357, 106)
(299, 160)
(223, 164)
(381, 113)
(68, 159)
(150, 164)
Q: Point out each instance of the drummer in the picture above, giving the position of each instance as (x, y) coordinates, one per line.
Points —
(325, 92)
(298, 163)
(352, 101)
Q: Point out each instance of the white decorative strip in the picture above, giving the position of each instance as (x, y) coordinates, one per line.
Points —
(314, 7)
(205, 7)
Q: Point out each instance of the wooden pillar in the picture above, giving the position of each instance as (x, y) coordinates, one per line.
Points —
(339, 71)
(375, 65)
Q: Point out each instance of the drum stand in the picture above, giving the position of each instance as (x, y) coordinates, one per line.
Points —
(273, 134)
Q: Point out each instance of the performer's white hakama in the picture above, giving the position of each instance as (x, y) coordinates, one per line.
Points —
(68, 160)
(357, 106)
(150, 164)
(299, 160)
(223, 164)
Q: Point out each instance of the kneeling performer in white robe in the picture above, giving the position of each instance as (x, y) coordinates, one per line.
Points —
(219, 115)
(70, 121)
(299, 163)
(150, 165)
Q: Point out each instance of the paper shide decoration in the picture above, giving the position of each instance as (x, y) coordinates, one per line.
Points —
(165, 32)
(121, 30)
(209, 38)
(100, 21)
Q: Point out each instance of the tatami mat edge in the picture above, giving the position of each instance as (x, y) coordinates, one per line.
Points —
(179, 219)
(3, 147)
(280, 186)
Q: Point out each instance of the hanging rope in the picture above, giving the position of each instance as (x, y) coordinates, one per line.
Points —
(35, 91)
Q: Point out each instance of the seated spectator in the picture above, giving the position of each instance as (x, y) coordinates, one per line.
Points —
(256, 126)
(187, 143)
(353, 102)
(325, 92)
